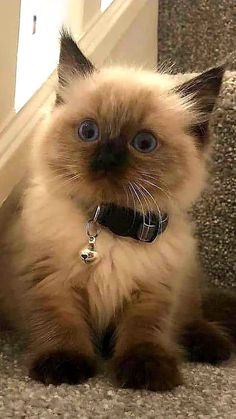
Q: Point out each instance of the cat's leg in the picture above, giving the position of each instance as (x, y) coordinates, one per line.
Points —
(206, 342)
(60, 346)
(145, 357)
(203, 340)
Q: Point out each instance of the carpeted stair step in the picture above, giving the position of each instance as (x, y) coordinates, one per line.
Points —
(195, 35)
(216, 211)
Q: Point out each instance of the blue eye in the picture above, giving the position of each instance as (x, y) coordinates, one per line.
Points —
(88, 130)
(144, 142)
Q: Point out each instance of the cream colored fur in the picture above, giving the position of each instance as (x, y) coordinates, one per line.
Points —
(124, 265)
(55, 222)
(146, 296)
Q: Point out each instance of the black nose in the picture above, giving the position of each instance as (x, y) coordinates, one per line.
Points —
(110, 156)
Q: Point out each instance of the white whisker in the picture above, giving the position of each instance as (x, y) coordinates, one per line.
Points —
(134, 206)
(154, 178)
(66, 182)
(147, 204)
(157, 206)
(127, 195)
(157, 187)
(139, 200)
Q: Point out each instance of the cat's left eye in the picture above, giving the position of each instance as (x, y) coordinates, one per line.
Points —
(88, 130)
(144, 142)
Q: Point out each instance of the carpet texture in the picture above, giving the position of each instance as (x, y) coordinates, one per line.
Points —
(196, 34)
(215, 213)
(208, 392)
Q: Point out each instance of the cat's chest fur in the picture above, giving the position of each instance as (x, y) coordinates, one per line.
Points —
(124, 265)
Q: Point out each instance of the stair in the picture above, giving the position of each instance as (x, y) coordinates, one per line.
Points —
(195, 35)
(215, 213)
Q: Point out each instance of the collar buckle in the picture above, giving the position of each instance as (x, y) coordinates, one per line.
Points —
(147, 232)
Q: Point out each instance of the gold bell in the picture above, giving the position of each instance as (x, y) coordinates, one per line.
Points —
(89, 254)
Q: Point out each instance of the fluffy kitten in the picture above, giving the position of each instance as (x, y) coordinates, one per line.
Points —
(133, 139)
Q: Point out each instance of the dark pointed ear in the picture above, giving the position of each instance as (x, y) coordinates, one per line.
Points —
(203, 91)
(71, 62)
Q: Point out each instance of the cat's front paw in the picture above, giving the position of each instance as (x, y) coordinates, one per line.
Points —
(62, 367)
(148, 367)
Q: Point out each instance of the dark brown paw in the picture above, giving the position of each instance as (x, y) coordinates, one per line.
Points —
(205, 342)
(146, 366)
(62, 367)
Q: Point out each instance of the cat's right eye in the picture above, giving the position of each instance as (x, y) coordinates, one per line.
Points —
(88, 130)
(144, 142)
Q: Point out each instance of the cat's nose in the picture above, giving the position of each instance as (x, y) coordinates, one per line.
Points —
(109, 156)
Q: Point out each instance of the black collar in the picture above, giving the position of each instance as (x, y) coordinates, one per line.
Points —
(128, 223)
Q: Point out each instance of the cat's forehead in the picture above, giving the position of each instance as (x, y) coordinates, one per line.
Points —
(120, 97)
(126, 101)
(118, 104)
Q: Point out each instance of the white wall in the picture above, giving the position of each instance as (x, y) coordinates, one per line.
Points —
(37, 52)
(138, 46)
(10, 10)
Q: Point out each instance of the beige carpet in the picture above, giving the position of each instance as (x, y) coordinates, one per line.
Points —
(209, 392)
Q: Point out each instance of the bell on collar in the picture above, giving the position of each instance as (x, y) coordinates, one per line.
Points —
(89, 255)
